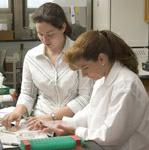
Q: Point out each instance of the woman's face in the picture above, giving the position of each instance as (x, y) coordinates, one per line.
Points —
(49, 35)
(93, 69)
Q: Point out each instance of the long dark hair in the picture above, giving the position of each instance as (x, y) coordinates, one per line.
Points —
(90, 44)
(121, 51)
(52, 13)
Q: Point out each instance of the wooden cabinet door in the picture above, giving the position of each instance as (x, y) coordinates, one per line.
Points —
(146, 16)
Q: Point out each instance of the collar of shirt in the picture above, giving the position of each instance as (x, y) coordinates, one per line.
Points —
(113, 73)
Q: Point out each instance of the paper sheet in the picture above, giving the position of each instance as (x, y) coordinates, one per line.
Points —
(5, 111)
(10, 137)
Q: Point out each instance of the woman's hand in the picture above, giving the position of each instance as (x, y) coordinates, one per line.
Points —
(60, 130)
(11, 117)
(15, 117)
(34, 123)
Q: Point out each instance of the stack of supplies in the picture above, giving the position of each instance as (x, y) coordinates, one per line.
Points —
(7, 94)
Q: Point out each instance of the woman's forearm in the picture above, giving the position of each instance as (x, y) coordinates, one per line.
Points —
(64, 111)
(21, 109)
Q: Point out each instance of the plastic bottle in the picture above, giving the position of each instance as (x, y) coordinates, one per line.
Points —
(13, 93)
(1, 79)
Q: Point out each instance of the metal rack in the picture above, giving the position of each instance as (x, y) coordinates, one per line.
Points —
(12, 73)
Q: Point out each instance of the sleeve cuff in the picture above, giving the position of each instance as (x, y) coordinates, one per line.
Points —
(69, 121)
(27, 102)
(81, 132)
(73, 105)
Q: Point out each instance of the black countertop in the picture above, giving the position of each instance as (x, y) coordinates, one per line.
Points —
(144, 77)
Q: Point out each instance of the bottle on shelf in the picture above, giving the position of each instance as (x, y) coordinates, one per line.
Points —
(1, 79)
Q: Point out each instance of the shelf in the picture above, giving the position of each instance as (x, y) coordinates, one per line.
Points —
(12, 73)
(8, 83)
(20, 40)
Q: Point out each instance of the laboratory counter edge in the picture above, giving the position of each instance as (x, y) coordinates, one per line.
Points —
(89, 145)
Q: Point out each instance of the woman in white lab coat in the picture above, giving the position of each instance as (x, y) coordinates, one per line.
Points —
(117, 116)
(48, 84)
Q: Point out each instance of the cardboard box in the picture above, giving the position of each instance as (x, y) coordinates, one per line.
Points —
(6, 35)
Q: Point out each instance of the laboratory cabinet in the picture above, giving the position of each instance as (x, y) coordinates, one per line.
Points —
(12, 73)
(13, 61)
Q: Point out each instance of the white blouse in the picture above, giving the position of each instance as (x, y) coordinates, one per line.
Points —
(117, 116)
(56, 86)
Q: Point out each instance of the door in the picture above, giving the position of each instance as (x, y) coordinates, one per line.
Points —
(127, 19)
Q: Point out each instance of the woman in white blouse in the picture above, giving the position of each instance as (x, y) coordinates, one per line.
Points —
(49, 87)
(117, 116)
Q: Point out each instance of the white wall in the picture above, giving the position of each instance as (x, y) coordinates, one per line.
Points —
(127, 19)
(101, 14)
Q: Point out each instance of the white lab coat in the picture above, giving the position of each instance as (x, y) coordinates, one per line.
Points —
(117, 116)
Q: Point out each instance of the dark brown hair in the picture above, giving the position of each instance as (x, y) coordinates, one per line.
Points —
(90, 44)
(52, 13)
